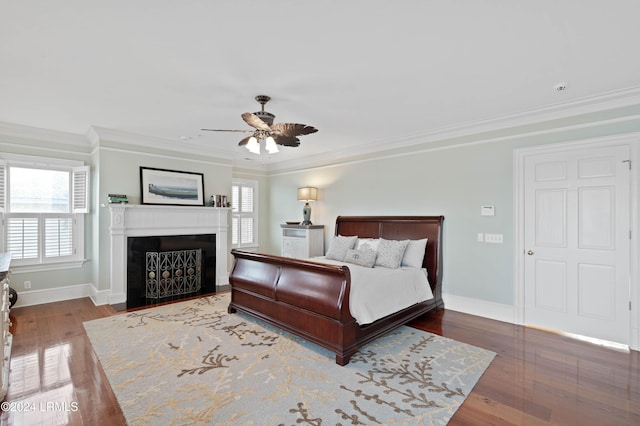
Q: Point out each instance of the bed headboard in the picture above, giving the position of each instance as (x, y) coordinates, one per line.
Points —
(402, 228)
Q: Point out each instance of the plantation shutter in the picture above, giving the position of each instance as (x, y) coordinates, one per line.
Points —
(3, 186)
(22, 237)
(246, 227)
(58, 236)
(235, 209)
(246, 235)
(243, 215)
(80, 191)
(247, 199)
(43, 209)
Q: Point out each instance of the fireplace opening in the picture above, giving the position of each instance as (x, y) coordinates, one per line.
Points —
(170, 267)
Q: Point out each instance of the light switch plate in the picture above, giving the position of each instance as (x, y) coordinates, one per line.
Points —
(487, 211)
(494, 238)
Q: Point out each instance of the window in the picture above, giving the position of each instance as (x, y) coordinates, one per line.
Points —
(43, 206)
(244, 213)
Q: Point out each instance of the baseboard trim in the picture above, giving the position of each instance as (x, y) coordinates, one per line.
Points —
(101, 297)
(481, 308)
(38, 297)
(98, 297)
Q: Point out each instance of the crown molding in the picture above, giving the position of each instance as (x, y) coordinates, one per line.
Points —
(101, 134)
(249, 164)
(561, 110)
(42, 135)
(92, 137)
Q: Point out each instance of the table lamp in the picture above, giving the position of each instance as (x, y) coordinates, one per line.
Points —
(307, 194)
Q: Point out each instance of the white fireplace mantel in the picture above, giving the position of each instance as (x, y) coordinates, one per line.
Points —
(128, 220)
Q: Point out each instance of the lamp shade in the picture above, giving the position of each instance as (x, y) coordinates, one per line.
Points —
(253, 145)
(271, 146)
(307, 193)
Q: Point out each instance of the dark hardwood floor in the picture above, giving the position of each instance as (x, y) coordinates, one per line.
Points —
(541, 378)
(537, 378)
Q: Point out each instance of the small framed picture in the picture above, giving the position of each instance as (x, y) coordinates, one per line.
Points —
(160, 186)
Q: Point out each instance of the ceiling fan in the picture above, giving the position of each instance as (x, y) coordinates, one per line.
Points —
(274, 134)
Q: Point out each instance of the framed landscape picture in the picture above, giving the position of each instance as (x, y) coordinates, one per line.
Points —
(160, 186)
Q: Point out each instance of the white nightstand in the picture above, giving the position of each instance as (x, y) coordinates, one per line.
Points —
(302, 241)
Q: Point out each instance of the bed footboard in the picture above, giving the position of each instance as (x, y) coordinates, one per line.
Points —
(306, 298)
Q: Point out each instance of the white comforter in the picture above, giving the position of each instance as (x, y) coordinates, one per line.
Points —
(378, 292)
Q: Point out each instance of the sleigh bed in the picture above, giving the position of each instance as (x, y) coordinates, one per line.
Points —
(311, 299)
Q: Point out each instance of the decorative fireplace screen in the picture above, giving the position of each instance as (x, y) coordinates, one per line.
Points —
(173, 273)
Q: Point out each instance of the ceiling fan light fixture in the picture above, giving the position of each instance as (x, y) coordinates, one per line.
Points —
(271, 146)
(253, 145)
(286, 134)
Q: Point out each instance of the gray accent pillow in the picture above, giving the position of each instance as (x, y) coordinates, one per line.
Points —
(339, 246)
(365, 257)
(390, 253)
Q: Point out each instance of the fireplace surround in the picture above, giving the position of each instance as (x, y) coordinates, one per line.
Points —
(129, 221)
(169, 267)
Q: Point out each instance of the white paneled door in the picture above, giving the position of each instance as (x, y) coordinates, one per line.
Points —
(577, 242)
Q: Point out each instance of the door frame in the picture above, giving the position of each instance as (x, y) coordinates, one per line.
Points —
(632, 140)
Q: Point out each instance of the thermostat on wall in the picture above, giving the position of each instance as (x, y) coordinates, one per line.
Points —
(487, 211)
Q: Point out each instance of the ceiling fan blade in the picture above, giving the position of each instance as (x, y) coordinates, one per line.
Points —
(292, 129)
(286, 140)
(244, 141)
(225, 130)
(255, 121)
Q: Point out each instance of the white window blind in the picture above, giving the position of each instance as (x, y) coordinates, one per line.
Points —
(244, 214)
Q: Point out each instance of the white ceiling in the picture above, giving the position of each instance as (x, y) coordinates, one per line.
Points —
(368, 73)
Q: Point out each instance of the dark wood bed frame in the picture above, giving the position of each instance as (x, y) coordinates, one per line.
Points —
(311, 299)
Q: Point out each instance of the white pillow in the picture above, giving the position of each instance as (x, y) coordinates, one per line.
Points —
(414, 254)
(339, 246)
(365, 257)
(368, 243)
(390, 253)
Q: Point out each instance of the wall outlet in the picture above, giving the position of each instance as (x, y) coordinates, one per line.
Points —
(480, 237)
(27, 285)
(493, 238)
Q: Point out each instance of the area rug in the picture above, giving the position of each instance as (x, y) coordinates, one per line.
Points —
(193, 363)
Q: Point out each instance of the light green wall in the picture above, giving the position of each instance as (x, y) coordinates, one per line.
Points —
(453, 183)
(119, 172)
(449, 177)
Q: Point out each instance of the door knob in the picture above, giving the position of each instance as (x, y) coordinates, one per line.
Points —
(530, 252)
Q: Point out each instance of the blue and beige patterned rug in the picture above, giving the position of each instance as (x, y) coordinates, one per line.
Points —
(192, 363)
